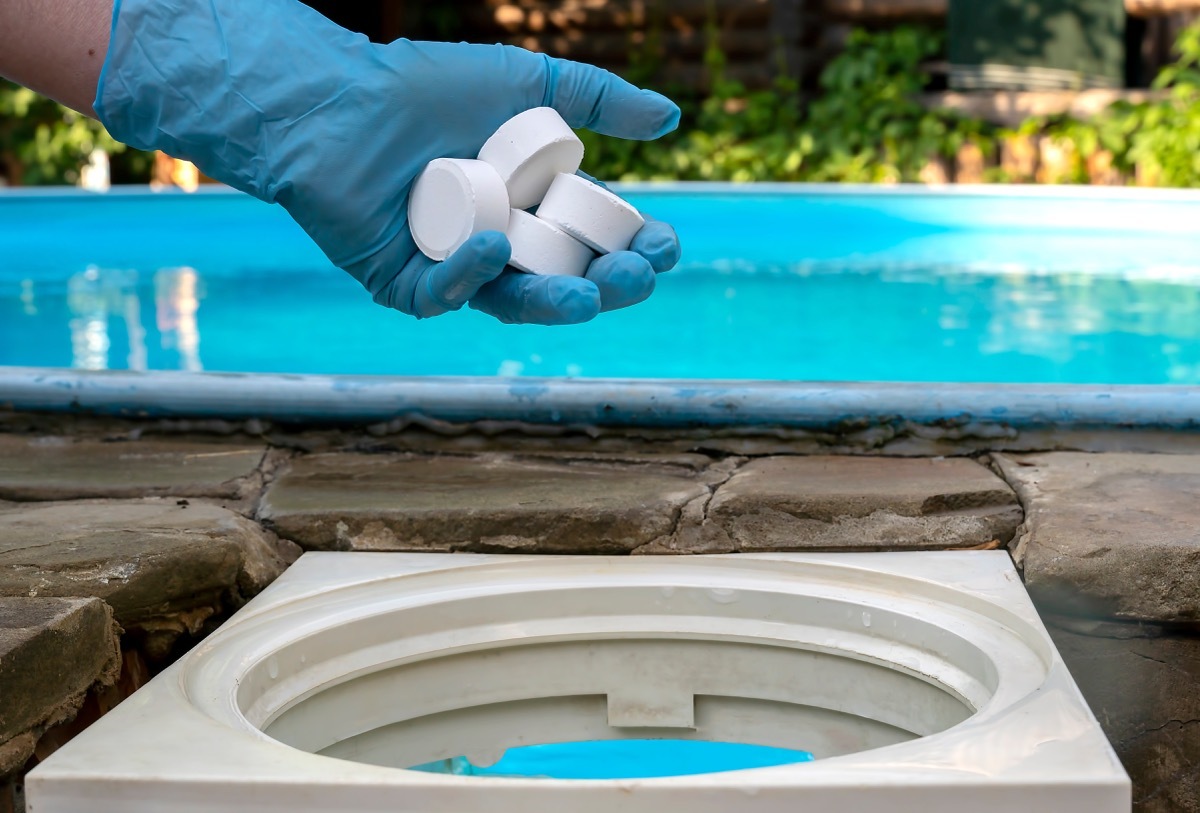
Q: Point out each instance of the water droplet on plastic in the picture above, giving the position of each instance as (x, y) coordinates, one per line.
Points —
(866, 619)
(303, 659)
(723, 595)
(667, 591)
(273, 668)
(485, 758)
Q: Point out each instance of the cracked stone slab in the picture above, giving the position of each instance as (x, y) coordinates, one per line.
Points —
(57, 468)
(52, 651)
(1110, 535)
(694, 533)
(157, 562)
(833, 503)
(488, 503)
(1146, 694)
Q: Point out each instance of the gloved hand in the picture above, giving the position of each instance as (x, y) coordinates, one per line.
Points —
(275, 100)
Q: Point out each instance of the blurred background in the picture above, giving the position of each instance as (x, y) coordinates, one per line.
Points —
(885, 91)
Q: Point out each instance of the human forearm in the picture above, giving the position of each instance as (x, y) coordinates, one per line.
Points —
(277, 101)
(55, 47)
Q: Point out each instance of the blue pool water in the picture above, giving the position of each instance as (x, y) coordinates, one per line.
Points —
(1062, 286)
(623, 759)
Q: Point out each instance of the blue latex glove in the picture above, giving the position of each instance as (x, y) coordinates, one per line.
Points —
(275, 100)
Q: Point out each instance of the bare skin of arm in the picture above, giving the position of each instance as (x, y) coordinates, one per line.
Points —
(56, 47)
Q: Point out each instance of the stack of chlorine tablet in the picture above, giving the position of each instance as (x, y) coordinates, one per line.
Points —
(529, 162)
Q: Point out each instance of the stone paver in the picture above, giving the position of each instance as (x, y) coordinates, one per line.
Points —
(54, 468)
(487, 503)
(1146, 694)
(51, 652)
(655, 460)
(163, 564)
(1110, 535)
(861, 503)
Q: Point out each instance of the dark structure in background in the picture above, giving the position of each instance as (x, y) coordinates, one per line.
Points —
(1048, 45)
(381, 20)
(663, 42)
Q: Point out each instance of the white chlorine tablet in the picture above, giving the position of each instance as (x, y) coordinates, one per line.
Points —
(529, 150)
(453, 199)
(590, 214)
(541, 248)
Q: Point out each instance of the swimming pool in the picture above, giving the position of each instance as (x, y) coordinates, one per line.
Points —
(623, 759)
(777, 283)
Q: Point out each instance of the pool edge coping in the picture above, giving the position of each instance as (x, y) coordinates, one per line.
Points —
(638, 403)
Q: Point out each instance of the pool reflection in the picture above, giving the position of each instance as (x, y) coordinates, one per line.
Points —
(106, 323)
(177, 300)
(833, 321)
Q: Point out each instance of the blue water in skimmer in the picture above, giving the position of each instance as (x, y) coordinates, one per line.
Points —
(623, 759)
(783, 283)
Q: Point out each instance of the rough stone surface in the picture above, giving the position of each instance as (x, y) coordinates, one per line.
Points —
(1110, 535)
(892, 436)
(487, 503)
(57, 468)
(52, 651)
(156, 561)
(635, 456)
(694, 533)
(860, 503)
(1146, 694)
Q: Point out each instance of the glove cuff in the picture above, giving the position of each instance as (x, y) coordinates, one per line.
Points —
(219, 83)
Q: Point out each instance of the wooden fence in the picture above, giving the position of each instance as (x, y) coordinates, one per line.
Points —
(665, 40)
(668, 37)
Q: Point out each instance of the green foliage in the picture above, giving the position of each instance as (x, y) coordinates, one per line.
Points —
(867, 124)
(42, 142)
(1164, 136)
(730, 134)
(1158, 141)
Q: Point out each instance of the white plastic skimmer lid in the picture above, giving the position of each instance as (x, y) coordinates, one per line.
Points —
(921, 681)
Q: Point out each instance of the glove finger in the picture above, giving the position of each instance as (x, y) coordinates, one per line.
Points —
(593, 98)
(623, 279)
(658, 243)
(426, 288)
(516, 298)
(451, 284)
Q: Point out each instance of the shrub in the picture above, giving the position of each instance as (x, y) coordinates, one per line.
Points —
(866, 124)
